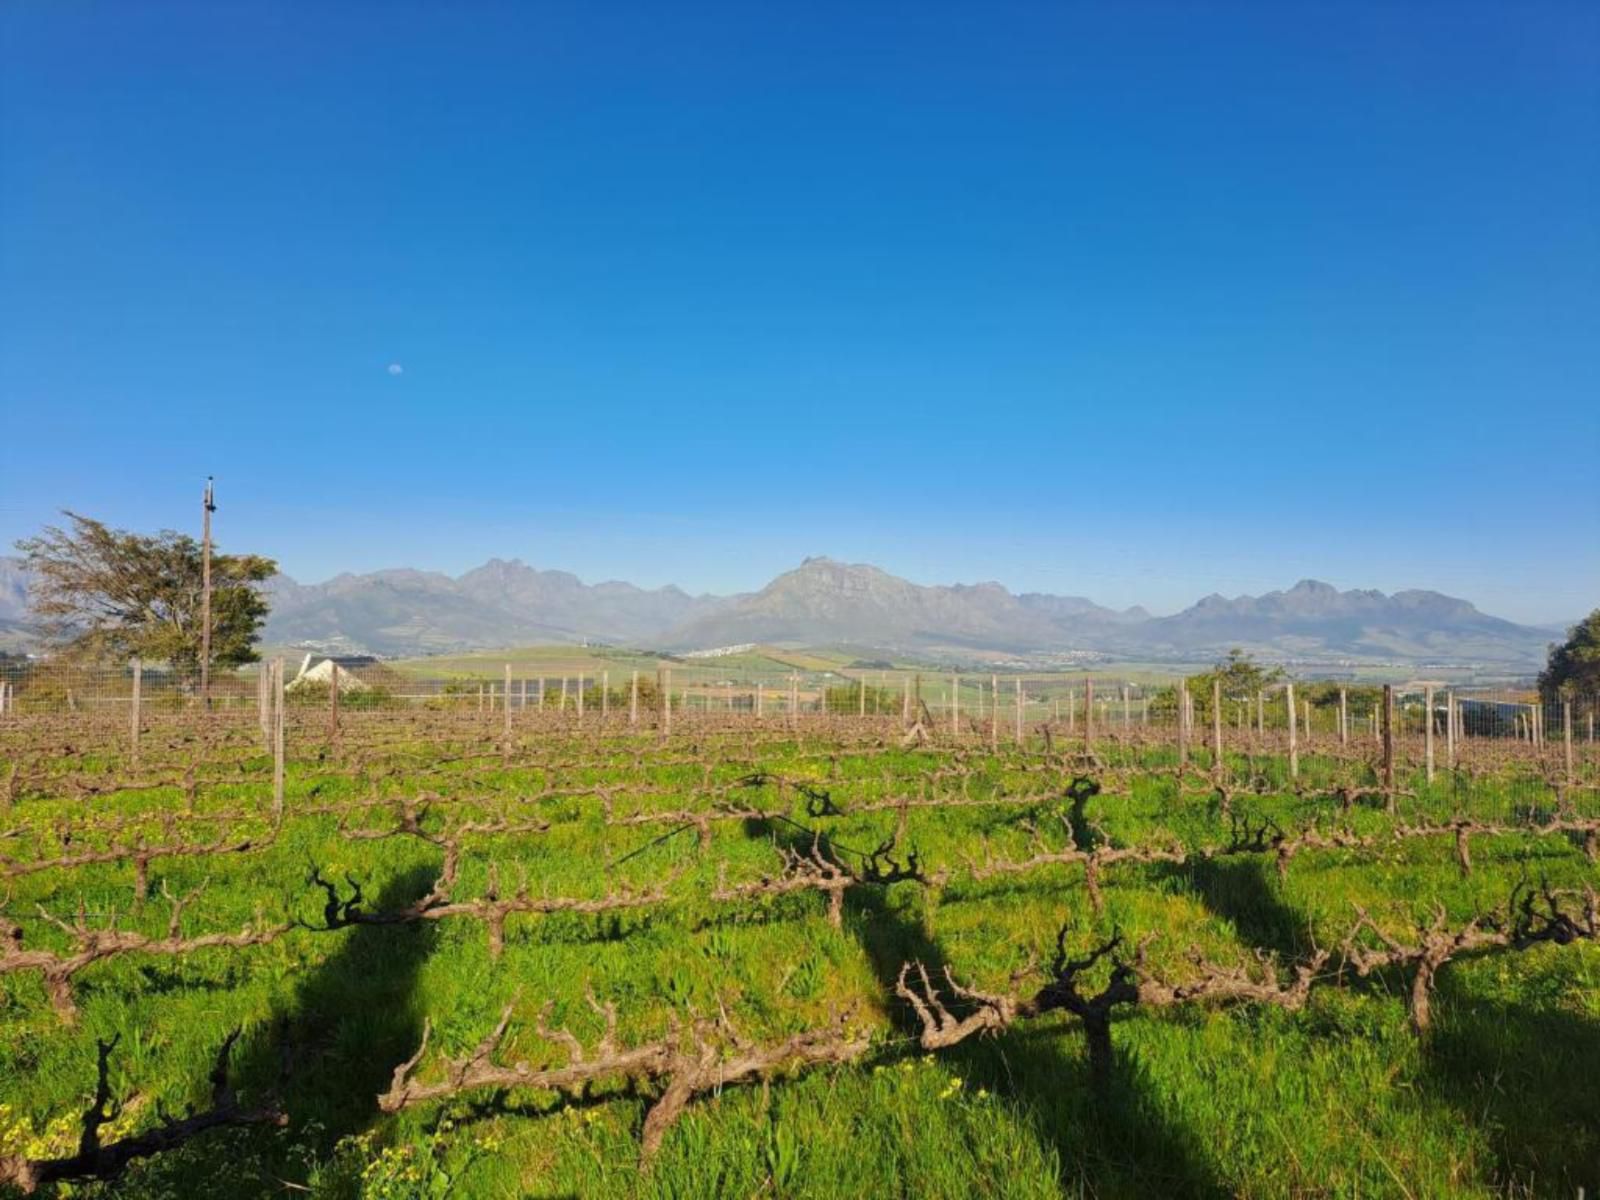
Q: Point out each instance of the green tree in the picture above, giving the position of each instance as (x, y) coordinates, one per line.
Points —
(1241, 678)
(1573, 669)
(107, 593)
(1360, 699)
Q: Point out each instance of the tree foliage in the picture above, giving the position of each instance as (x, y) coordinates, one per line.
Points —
(1241, 678)
(109, 593)
(1573, 668)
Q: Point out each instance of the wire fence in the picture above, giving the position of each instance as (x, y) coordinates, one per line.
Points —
(1393, 729)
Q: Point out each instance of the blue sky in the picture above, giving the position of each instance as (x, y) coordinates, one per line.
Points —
(1126, 300)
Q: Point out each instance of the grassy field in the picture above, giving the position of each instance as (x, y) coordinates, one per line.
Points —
(1341, 1097)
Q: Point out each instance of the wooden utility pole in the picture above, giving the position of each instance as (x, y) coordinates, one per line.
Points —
(207, 507)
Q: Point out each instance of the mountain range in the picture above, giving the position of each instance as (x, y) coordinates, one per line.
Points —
(825, 602)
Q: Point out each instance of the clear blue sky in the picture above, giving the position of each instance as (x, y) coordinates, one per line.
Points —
(1127, 300)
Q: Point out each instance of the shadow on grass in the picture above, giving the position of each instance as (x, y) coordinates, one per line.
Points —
(1529, 1078)
(352, 1020)
(1526, 1076)
(1244, 892)
(1116, 1144)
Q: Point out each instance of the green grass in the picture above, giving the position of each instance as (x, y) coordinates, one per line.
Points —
(1341, 1099)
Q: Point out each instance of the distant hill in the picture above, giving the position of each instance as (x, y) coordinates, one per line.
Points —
(823, 602)
(1314, 619)
(501, 603)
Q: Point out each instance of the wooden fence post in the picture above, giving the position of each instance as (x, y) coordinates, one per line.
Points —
(1566, 737)
(506, 716)
(994, 713)
(1088, 715)
(1344, 717)
(1127, 708)
(1294, 745)
(333, 703)
(1180, 697)
(135, 722)
(665, 678)
(1388, 743)
(1427, 731)
(277, 740)
(1216, 726)
(264, 703)
(955, 706)
(1019, 710)
(905, 707)
(633, 700)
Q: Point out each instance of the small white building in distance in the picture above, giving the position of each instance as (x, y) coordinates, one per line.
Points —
(328, 669)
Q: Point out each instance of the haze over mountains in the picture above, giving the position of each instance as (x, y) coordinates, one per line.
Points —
(825, 602)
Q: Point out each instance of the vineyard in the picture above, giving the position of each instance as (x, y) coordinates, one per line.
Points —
(500, 951)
